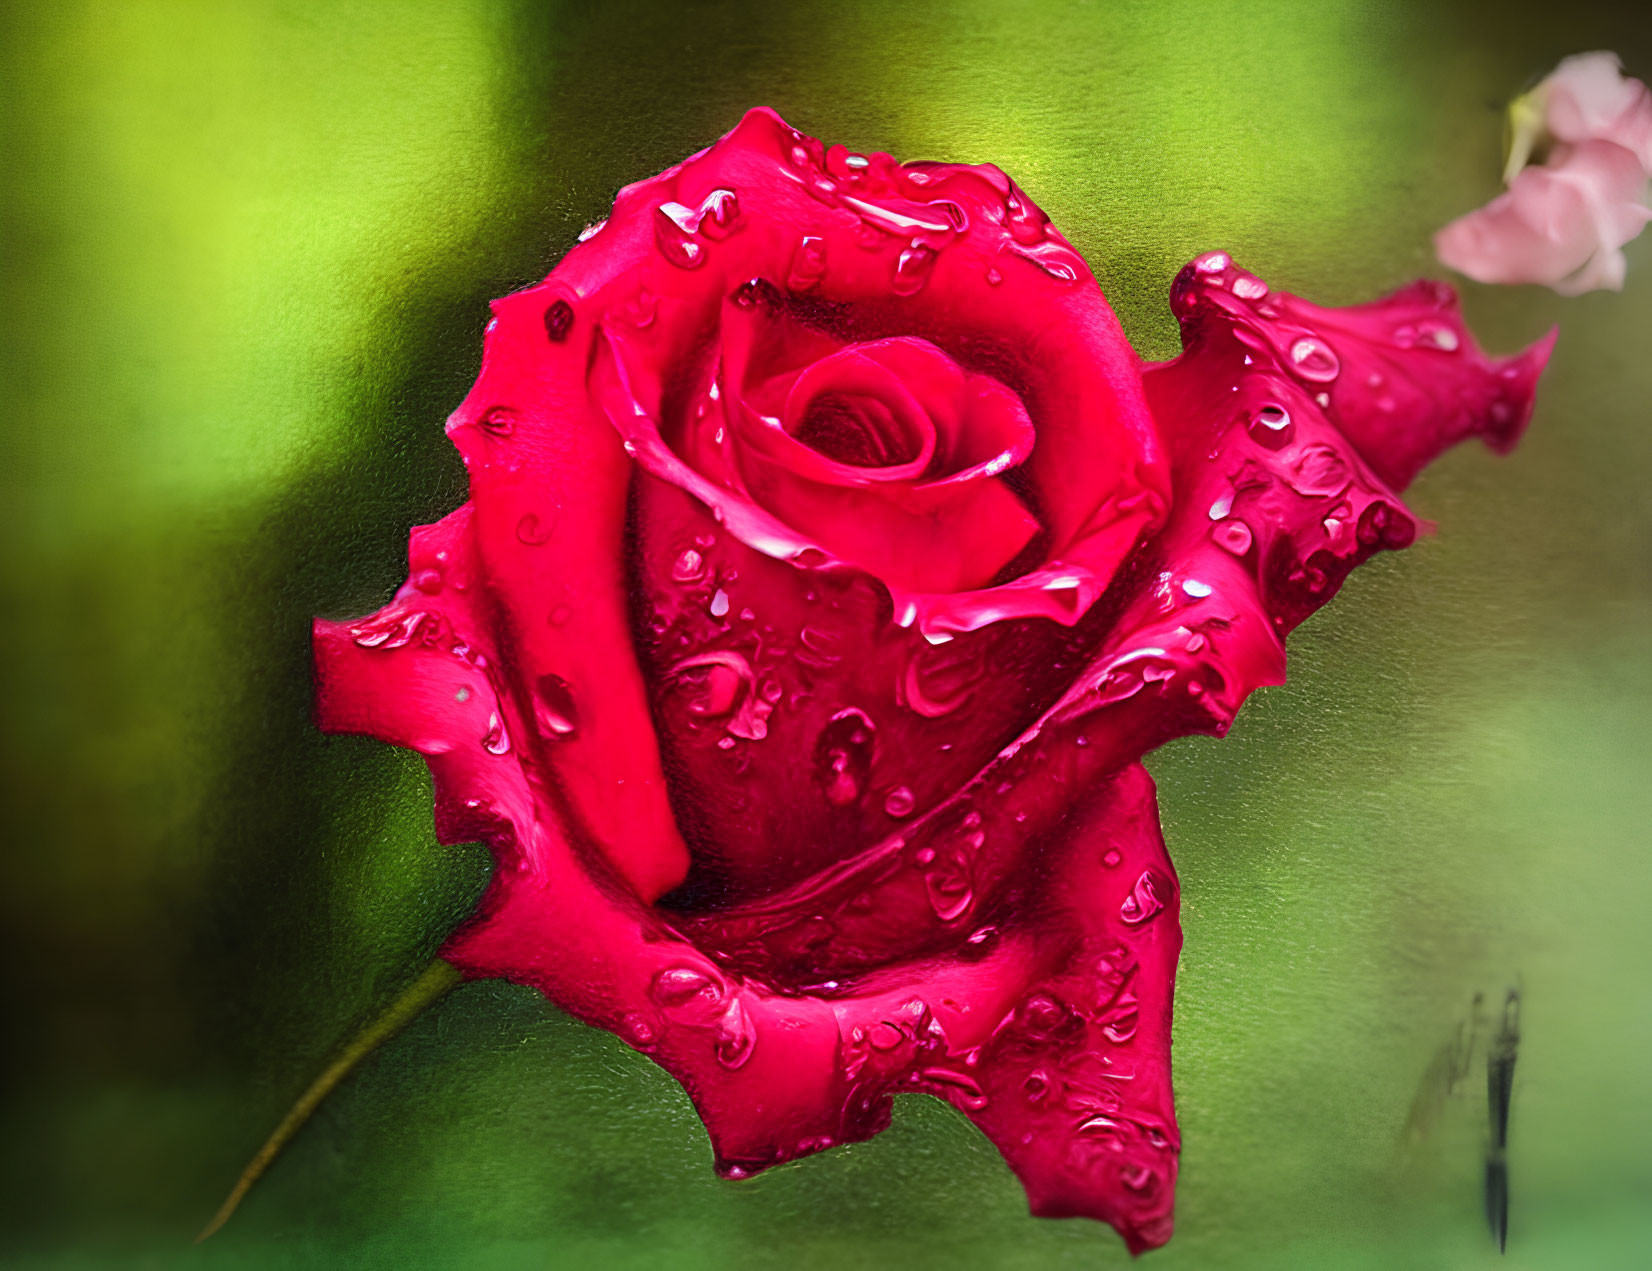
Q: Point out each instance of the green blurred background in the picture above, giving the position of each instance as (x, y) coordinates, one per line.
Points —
(248, 250)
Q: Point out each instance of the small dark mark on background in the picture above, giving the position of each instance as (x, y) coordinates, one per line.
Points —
(1500, 1056)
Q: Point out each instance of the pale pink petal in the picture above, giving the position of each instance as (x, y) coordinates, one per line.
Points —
(1560, 225)
(1589, 98)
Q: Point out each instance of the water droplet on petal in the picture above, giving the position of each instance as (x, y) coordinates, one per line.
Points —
(675, 242)
(680, 987)
(592, 230)
(1320, 470)
(843, 756)
(1196, 589)
(500, 421)
(912, 269)
(1438, 336)
(636, 1030)
(1247, 287)
(994, 277)
(1059, 262)
(534, 530)
(1123, 1020)
(1232, 536)
(428, 581)
(808, 265)
(899, 802)
(736, 1037)
(559, 318)
(719, 603)
(719, 214)
(554, 707)
(950, 894)
(1105, 1130)
(885, 1036)
(495, 741)
(1143, 902)
(1111, 858)
(1271, 427)
(690, 567)
(939, 679)
(1313, 360)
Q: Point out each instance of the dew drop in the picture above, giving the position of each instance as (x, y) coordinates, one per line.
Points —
(1196, 589)
(1438, 336)
(843, 756)
(994, 277)
(1143, 902)
(719, 214)
(534, 530)
(674, 241)
(1105, 1129)
(1112, 858)
(1044, 1016)
(1320, 470)
(719, 603)
(884, 1036)
(690, 567)
(1271, 426)
(899, 802)
(559, 319)
(950, 894)
(428, 581)
(757, 293)
(1313, 360)
(1060, 263)
(495, 741)
(1247, 287)
(636, 1030)
(808, 265)
(912, 269)
(1138, 1178)
(736, 1037)
(1122, 1024)
(500, 421)
(554, 707)
(679, 987)
(938, 679)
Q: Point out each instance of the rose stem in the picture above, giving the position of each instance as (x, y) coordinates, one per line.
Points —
(433, 982)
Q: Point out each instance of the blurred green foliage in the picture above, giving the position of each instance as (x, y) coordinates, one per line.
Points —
(249, 249)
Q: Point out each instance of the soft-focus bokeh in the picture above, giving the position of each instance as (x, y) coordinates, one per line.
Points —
(248, 250)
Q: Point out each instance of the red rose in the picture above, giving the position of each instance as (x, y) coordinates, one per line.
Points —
(829, 565)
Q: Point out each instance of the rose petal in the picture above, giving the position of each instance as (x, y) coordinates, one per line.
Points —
(885, 251)
(542, 539)
(1278, 497)
(819, 644)
(1078, 999)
